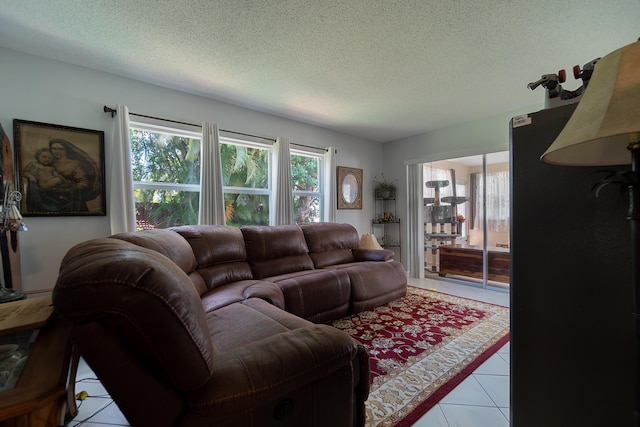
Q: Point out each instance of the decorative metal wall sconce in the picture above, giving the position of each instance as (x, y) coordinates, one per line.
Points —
(10, 223)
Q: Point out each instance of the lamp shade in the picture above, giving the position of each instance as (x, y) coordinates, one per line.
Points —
(369, 241)
(607, 118)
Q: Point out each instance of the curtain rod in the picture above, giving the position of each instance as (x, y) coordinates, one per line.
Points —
(113, 112)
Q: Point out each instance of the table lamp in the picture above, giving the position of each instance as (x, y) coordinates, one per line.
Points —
(369, 241)
(605, 130)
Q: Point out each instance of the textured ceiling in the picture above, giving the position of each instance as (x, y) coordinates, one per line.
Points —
(379, 69)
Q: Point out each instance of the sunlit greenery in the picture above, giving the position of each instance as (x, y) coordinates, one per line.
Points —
(304, 173)
(163, 164)
(245, 167)
(165, 158)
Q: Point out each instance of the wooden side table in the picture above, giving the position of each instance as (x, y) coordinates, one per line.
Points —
(43, 396)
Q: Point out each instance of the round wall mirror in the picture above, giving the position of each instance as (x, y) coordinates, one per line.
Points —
(349, 188)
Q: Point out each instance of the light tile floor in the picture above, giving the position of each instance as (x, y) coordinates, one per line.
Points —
(481, 400)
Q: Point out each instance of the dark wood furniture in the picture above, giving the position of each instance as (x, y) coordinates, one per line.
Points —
(466, 260)
(43, 394)
(570, 287)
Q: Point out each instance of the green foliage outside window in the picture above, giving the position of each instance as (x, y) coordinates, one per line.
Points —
(304, 174)
(168, 159)
(164, 165)
(245, 168)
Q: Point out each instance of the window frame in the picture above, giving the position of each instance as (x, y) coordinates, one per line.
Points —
(268, 191)
(321, 179)
(231, 138)
(143, 126)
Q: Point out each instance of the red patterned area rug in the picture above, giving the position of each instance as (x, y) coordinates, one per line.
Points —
(421, 347)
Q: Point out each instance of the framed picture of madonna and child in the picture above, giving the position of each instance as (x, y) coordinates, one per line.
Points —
(60, 169)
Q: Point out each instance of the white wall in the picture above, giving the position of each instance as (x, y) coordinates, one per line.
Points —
(42, 90)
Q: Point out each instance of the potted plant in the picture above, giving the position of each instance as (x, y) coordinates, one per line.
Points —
(384, 189)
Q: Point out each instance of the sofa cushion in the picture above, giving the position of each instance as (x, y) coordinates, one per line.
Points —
(269, 358)
(240, 324)
(374, 283)
(171, 245)
(219, 252)
(330, 243)
(373, 254)
(315, 295)
(276, 250)
(240, 291)
(165, 242)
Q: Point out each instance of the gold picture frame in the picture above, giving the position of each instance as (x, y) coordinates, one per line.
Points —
(60, 169)
(349, 185)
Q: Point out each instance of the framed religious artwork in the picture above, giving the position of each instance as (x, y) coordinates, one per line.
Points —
(59, 169)
(349, 188)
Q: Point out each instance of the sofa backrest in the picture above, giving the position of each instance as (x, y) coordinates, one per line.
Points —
(211, 255)
(276, 250)
(137, 297)
(330, 243)
(171, 245)
(219, 252)
(165, 242)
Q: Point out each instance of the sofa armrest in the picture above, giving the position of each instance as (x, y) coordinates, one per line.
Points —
(373, 255)
(252, 375)
(267, 291)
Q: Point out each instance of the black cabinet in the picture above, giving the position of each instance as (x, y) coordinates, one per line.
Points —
(571, 292)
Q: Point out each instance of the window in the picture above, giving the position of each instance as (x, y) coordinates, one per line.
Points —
(246, 178)
(166, 176)
(307, 188)
(166, 179)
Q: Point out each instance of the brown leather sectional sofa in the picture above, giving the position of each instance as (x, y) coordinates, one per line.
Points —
(216, 325)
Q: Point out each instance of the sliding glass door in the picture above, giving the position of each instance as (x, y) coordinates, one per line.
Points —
(466, 219)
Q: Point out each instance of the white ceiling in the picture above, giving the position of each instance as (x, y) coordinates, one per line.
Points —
(379, 69)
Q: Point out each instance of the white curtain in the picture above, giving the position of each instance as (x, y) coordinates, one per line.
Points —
(330, 189)
(284, 191)
(122, 211)
(436, 174)
(415, 222)
(212, 209)
(497, 207)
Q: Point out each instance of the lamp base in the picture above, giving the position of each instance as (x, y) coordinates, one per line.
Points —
(8, 295)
